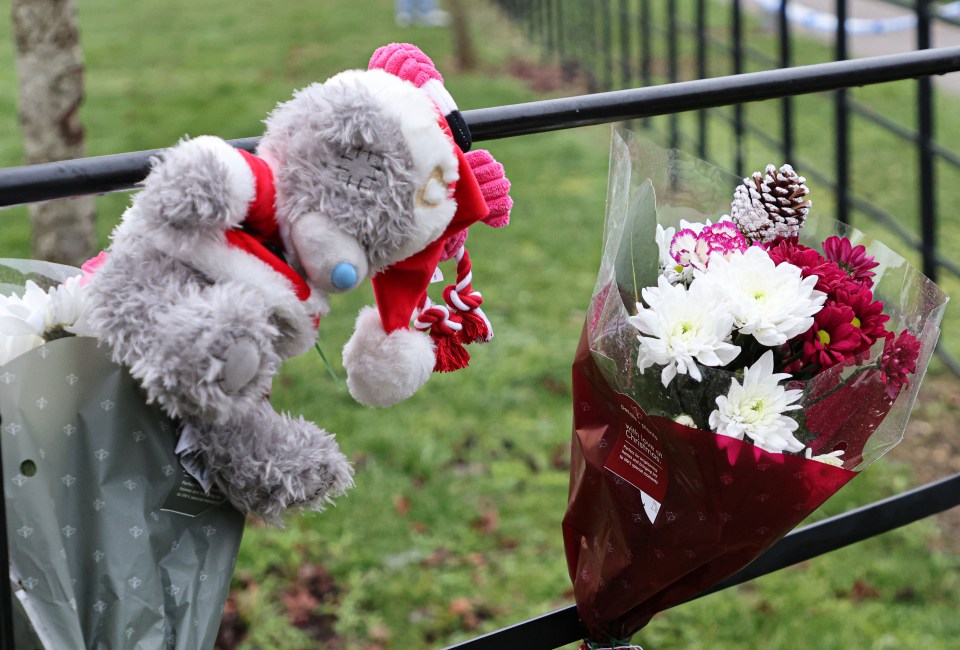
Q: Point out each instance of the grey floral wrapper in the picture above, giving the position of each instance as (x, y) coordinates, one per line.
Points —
(112, 545)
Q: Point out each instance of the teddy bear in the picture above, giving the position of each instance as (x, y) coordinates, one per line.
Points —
(223, 266)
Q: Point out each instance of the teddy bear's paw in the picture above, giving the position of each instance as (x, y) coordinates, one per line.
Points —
(199, 184)
(207, 353)
(240, 365)
(267, 463)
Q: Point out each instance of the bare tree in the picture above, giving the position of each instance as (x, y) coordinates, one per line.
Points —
(50, 68)
(462, 41)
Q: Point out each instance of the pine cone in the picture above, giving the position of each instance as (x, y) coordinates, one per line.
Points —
(769, 206)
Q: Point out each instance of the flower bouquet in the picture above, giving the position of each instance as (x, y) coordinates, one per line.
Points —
(112, 545)
(740, 363)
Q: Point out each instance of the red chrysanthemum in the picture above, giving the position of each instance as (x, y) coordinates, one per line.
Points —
(833, 338)
(852, 260)
(810, 262)
(868, 314)
(898, 361)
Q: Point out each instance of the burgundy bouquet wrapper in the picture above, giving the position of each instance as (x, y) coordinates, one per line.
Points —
(724, 502)
(660, 512)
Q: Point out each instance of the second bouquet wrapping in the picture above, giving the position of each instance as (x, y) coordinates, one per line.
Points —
(742, 360)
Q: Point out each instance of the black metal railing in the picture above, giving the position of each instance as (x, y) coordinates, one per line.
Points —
(122, 171)
(649, 35)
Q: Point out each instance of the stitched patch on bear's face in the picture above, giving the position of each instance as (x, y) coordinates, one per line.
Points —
(359, 170)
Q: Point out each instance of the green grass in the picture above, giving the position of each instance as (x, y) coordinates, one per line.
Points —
(454, 526)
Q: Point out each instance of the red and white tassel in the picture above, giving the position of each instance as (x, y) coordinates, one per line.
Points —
(465, 301)
(444, 328)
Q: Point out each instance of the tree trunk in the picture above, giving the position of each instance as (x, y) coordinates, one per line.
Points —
(50, 68)
(462, 41)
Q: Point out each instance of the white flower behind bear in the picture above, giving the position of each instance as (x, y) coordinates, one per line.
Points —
(683, 327)
(756, 409)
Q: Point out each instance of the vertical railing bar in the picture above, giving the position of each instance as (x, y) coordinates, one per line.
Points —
(590, 25)
(701, 31)
(626, 57)
(548, 10)
(672, 72)
(786, 106)
(737, 19)
(561, 53)
(645, 50)
(842, 122)
(927, 167)
(606, 35)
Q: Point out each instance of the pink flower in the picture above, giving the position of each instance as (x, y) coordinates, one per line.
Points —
(724, 238)
(868, 313)
(691, 248)
(853, 261)
(833, 338)
(899, 359)
(91, 265)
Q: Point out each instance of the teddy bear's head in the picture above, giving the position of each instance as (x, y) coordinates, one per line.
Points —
(363, 174)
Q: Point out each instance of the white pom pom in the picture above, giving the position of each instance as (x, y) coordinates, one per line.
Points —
(384, 369)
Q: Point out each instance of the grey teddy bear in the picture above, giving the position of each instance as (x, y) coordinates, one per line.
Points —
(222, 266)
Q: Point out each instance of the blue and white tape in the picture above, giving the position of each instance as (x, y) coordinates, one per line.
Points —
(825, 22)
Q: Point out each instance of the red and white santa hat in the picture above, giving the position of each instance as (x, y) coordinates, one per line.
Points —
(386, 360)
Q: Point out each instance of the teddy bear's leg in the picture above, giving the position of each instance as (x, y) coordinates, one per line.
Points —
(267, 462)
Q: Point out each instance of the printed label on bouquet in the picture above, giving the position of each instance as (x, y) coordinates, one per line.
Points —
(637, 456)
(190, 498)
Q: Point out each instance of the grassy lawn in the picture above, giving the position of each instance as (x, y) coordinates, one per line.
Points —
(454, 526)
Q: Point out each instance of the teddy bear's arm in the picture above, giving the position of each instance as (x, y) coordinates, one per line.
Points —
(201, 349)
(201, 183)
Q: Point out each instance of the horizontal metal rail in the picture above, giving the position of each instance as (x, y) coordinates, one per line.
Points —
(563, 626)
(110, 173)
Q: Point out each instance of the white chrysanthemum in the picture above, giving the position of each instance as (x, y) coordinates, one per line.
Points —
(22, 321)
(685, 420)
(755, 409)
(25, 315)
(669, 267)
(26, 320)
(683, 328)
(833, 458)
(67, 308)
(771, 302)
(14, 346)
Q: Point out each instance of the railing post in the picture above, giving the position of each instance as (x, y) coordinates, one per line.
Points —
(737, 24)
(786, 104)
(701, 30)
(841, 121)
(927, 166)
(606, 35)
(672, 73)
(626, 57)
(645, 48)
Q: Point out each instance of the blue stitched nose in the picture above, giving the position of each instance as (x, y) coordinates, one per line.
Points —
(344, 276)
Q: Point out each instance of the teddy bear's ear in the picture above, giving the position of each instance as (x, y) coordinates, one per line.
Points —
(410, 63)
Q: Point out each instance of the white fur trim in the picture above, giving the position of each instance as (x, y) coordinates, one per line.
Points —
(440, 96)
(240, 177)
(384, 369)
